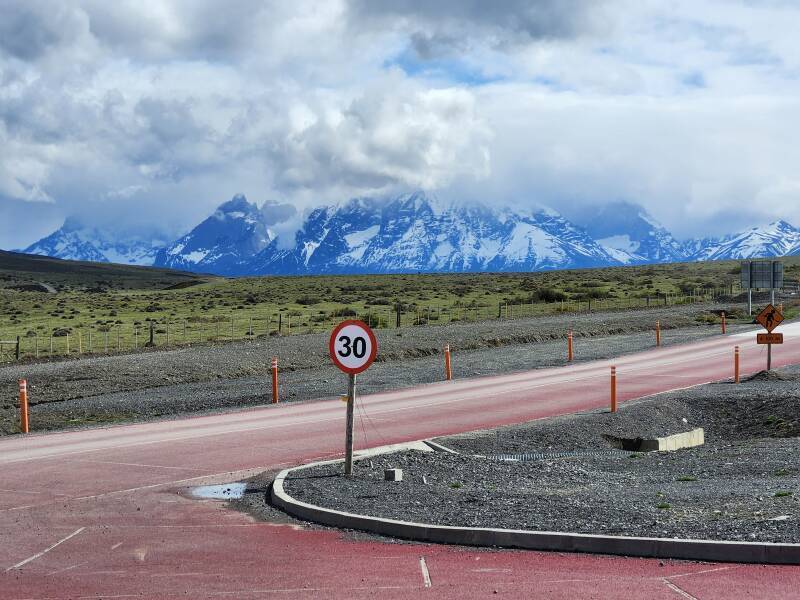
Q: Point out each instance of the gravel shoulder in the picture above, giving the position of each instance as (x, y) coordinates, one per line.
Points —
(743, 484)
(189, 380)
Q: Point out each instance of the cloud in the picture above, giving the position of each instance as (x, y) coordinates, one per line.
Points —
(157, 112)
(451, 26)
(395, 135)
(31, 29)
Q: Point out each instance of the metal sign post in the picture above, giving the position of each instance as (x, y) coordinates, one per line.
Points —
(353, 348)
(348, 441)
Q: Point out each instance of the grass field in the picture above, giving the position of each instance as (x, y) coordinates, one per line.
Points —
(111, 307)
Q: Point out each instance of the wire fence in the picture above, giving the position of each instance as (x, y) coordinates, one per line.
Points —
(24, 344)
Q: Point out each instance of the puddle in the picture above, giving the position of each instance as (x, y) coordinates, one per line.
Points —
(226, 491)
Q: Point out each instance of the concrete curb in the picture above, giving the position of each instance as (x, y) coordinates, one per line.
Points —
(705, 550)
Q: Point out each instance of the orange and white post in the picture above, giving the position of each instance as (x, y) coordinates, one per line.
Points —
(736, 355)
(613, 389)
(724, 324)
(23, 405)
(275, 380)
(658, 333)
(448, 366)
(570, 354)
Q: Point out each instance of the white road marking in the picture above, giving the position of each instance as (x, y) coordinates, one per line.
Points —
(65, 569)
(43, 552)
(426, 576)
(125, 464)
(117, 545)
(692, 573)
(678, 590)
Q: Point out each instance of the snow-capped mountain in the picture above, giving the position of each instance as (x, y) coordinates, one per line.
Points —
(411, 233)
(75, 241)
(776, 239)
(414, 232)
(629, 234)
(223, 243)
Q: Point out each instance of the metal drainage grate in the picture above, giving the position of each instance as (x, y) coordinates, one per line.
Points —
(545, 455)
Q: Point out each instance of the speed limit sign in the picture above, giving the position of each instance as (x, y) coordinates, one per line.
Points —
(353, 347)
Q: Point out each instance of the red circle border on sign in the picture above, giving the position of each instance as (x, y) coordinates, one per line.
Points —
(332, 346)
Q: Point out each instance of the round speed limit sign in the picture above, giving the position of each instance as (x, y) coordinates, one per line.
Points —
(353, 347)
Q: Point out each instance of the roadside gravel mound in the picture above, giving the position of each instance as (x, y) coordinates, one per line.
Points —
(743, 484)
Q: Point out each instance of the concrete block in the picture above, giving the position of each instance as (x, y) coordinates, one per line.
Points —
(393, 474)
(688, 439)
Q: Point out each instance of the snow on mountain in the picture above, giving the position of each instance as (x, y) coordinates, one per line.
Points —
(75, 241)
(221, 244)
(629, 234)
(416, 232)
(409, 233)
(776, 239)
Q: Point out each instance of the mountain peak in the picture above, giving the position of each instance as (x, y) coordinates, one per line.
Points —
(779, 238)
(237, 204)
(223, 243)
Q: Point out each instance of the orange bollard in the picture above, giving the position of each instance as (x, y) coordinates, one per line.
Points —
(658, 333)
(448, 370)
(275, 380)
(736, 365)
(23, 405)
(613, 389)
(570, 354)
(724, 324)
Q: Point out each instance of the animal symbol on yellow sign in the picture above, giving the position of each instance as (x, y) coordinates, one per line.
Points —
(770, 318)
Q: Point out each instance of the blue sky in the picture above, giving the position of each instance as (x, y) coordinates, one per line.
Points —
(145, 116)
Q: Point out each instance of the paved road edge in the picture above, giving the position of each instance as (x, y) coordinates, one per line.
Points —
(705, 550)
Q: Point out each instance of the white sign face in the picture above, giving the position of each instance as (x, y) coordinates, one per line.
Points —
(353, 347)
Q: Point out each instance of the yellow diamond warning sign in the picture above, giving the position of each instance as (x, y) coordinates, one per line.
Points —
(769, 318)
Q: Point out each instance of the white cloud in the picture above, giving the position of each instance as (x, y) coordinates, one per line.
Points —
(162, 110)
(396, 134)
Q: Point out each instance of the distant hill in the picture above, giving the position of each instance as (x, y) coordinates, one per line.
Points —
(17, 269)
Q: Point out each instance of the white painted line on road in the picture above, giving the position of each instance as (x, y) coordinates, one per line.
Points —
(678, 590)
(126, 464)
(65, 569)
(426, 576)
(43, 552)
(704, 571)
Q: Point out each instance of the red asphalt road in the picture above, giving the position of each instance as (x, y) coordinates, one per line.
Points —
(104, 512)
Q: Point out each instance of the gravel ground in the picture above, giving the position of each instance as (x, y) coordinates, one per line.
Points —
(743, 484)
(166, 383)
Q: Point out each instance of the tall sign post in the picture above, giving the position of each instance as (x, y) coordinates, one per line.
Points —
(353, 348)
(769, 319)
(761, 274)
